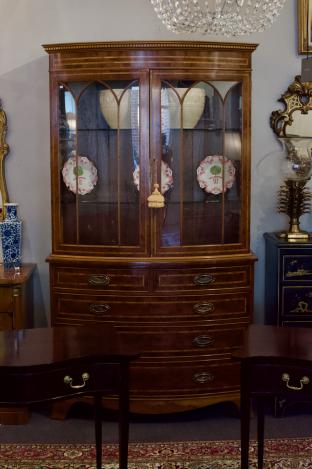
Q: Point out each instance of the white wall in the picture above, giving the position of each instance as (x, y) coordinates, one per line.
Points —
(24, 91)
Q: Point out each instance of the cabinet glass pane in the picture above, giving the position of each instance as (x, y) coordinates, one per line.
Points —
(200, 168)
(99, 161)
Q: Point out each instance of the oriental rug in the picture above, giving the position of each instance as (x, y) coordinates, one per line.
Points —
(279, 454)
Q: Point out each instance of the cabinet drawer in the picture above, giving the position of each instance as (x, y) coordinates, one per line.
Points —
(184, 377)
(284, 380)
(176, 339)
(297, 267)
(101, 279)
(297, 301)
(201, 279)
(190, 309)
(6, 299)
(33, 386)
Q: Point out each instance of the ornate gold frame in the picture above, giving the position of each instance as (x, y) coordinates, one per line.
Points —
(304, 40)
(4, 150)
(298, 97)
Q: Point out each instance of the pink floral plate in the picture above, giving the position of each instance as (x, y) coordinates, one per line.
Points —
(166, 177)
(81, 168)
(216, 174)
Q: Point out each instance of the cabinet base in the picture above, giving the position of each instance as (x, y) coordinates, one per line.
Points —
(149, 406)
(14, 415)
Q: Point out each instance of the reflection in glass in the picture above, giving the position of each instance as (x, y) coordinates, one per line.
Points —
(201, 143)
(99, 147)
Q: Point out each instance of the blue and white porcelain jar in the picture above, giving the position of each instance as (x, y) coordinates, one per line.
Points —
(11, 237)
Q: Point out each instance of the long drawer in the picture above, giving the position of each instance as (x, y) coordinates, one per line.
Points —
(167, 337)
(184, 378)
(81, 308)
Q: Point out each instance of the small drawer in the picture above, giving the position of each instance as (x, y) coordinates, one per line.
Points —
(201, 279)
(296, 301)
(62, 382)
(297, 268)
(6, 299)
(101, 279)
(184, 378)
(281, 379)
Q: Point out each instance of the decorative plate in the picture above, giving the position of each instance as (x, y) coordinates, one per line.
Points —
(166, 177)
(82, 167)
(210, 174)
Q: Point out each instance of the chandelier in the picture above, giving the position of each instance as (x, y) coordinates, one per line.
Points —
(220, 17)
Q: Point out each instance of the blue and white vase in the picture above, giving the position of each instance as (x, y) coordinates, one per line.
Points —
(11, 237)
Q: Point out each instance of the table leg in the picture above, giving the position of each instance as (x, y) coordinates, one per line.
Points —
(98, 429)
(260, 430)
(124, 417)
(245, 419)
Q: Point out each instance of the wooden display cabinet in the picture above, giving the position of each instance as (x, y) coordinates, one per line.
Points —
(177, 280)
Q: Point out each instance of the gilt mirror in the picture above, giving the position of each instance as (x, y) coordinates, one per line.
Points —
(296, 117)
(4, 150)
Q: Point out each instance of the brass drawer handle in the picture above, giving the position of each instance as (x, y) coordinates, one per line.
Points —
(203, 279)
(97, 280)
(99, 309)
(203, 377)
(203, 308)
(68, 380)
(203, 340)
(303, 380)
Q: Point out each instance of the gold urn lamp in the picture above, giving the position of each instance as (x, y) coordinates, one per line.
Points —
(294, 197)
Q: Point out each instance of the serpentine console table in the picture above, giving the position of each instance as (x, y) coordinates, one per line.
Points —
(275, 362)
(47, 364)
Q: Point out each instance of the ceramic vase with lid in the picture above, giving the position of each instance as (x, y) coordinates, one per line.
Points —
(11, 237)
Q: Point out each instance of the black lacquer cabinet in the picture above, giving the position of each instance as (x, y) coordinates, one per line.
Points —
(288, 281)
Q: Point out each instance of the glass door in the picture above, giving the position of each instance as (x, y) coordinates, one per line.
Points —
(103, 164)
(200, 168)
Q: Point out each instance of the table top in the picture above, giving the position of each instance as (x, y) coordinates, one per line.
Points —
(292, 343)
(62, 344)
(16, 276)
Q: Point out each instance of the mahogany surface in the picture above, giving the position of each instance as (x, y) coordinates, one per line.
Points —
(268, 354)
(35, 362)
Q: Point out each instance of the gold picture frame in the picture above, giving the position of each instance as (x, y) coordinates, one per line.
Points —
(304, 32)
(4, 150)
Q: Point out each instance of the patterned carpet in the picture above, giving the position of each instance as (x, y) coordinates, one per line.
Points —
(279, 454)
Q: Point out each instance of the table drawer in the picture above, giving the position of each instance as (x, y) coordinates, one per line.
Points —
(283, 380)
(6, 299)
(184, 378)
(130, 309)
(201, 279)
(100, 279)
(38, 386)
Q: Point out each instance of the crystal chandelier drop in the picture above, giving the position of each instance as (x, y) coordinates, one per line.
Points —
(220, 17)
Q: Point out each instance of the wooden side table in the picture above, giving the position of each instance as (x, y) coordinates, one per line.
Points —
(16, 312)
(275, 361)
(45, 364)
